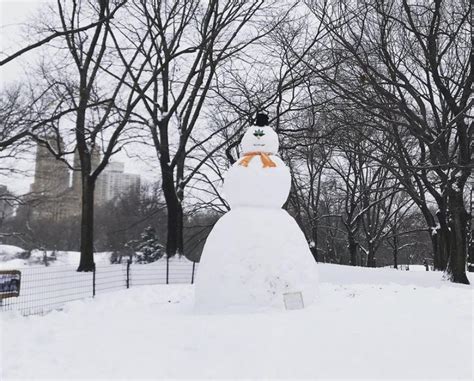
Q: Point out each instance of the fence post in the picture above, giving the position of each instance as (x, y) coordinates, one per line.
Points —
(93, 282)
(128, 273)
(192, 275)
(167, 268)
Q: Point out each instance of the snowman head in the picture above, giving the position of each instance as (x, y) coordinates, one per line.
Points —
(260, 137)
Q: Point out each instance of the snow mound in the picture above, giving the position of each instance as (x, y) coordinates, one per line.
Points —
(251, 259)
(65, 258)
(13, 264)
(8, 252)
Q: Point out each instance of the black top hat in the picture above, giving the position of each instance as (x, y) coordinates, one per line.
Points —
(261, 119)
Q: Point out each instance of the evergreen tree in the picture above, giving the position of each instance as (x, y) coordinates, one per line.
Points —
(148, 248)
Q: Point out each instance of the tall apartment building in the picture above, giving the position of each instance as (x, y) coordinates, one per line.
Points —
(114, 182)
(51, 182)
(52, 195)
(51, 175)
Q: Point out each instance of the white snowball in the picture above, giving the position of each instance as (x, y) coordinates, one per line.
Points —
(257, 186)
(252, 257)
(262, 139)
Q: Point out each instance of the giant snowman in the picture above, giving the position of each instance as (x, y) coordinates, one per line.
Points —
(256, 257)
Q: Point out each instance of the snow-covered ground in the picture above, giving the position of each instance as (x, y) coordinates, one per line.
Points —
(8, 252)
(368, 323)
(45, 288)
(63, 258)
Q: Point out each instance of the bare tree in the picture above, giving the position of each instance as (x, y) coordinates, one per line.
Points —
(410, 66)
(307, 156)
(402, 223)
(187, 43)
(101, 104)
(53, 33)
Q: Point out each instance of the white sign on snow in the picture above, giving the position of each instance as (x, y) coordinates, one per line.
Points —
(293, 300)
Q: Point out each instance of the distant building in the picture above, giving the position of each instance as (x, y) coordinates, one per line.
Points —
(51, 182)
(52, 195)
(51, 175)
(6, 207)
(114, 182)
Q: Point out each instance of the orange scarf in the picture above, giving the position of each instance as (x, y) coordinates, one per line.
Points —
(264, 157)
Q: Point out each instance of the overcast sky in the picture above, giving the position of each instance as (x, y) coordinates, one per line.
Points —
(16, 15)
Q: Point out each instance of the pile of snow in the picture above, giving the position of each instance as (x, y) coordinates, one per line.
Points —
(9, 252)
(62, 258)
(14, 264)
(340, 274)
(404, 267)
(368, 324)
(69, 258)
(253, 257)
(54, 259)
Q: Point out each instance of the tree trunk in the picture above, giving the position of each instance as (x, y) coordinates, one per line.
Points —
(174, 239)
(443, 241)
(440, 242)
(435, 246)
(456, 268)
(371, 256)
(470, 257)
(314, 246)
(87, 225)
(179, 229)
(395, 252)
(314, 251)
(352, 250)
(314, 222)
(470, 239)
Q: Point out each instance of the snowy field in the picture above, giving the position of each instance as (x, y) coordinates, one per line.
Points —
(64, 258)
(45, 288)
(368, 324)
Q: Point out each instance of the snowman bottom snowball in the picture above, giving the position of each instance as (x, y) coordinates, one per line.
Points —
(255, 259)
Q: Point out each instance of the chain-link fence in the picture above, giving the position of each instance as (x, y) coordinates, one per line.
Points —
(47, 288)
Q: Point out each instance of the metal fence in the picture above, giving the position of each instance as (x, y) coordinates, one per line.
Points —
(44, 289)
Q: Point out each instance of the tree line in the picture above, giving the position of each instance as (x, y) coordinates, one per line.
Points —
(372, 101)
